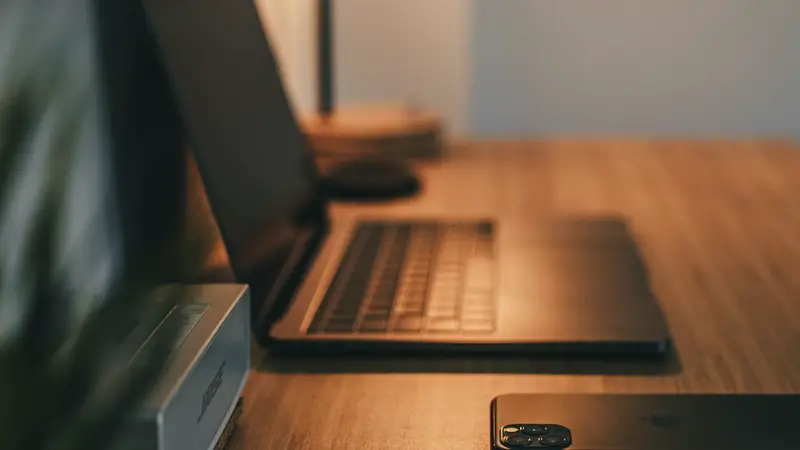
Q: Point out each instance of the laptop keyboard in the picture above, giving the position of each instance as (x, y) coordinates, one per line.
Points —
(413, 277)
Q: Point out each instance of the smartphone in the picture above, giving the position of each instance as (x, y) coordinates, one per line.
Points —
(645, 422)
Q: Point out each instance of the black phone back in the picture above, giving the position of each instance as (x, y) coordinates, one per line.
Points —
(646, 422)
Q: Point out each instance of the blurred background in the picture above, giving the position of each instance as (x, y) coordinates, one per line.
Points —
(514, 68)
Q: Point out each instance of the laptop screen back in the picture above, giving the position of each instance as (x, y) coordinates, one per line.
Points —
(253, 159)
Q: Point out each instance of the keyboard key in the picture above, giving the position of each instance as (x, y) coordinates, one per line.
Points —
(359, 275)
(443, 299)
(442, 313)
(438, 304)
(334, 326)
(408, 324)
(385, 291)
(481, 326)
(452, 266)
(383, 298)
(340, 313)
(477, 307)
(417, 275)
(377, 313)
(479, 283)
(478, 302)
(374, 325)
(444, 292)
(350, 301)
(446, 295)
(413, 309)
(416, 281)
(389, 272)
(382, 302)
(443, 302)
(414, 289)
(477, 293)
(442, 325)
(451, 274)
(446, 279)
(346, 310)
(388, 286)
(353, 294)
(411, 300)
(380, 306)
(450, 292)
(443, 306)
(349, 298)
(414, 297)
(389, 277)
(477, 316)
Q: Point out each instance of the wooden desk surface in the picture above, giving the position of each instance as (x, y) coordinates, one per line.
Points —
(719, 224)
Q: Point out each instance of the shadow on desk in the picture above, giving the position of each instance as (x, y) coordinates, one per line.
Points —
(567, 365)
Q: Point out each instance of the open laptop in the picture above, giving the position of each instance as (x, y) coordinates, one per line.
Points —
(381, 284)
(645, 422)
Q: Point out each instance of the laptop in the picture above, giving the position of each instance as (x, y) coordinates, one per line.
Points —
(318, 283)
(645, 422)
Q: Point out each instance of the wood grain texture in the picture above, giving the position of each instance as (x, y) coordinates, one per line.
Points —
(719, 224)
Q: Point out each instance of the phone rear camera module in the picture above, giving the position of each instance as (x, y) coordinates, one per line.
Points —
(555, 441)
(517, 440)
(534, 430)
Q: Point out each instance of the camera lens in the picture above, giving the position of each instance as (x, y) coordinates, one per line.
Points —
(517, 440)
(554, 441)
(534, 430)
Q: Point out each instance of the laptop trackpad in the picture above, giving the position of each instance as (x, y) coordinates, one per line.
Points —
(575, 277)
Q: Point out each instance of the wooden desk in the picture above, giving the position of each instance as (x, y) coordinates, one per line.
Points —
(719, 224)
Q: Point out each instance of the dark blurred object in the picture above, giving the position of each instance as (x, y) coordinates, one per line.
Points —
(91, 220)
(325, 65)
(370, 179)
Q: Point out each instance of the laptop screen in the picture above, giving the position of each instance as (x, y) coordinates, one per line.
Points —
(254, 161)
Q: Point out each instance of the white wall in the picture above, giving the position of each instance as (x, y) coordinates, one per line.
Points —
(653, 67)
(543, 67)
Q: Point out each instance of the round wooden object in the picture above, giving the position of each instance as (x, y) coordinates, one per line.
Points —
(375, 131)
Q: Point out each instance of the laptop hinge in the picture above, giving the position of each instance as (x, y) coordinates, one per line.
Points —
(280, 291)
